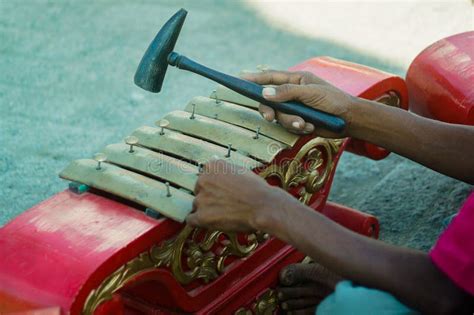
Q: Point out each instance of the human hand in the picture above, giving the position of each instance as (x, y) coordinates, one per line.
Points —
(307, 89)
(233, 199)
(303, 286)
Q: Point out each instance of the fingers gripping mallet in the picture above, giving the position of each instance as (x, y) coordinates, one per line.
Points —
(152, 69)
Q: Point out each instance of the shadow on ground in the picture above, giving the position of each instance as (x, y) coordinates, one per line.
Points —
(66, 90)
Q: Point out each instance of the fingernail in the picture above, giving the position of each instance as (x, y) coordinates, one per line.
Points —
(280, 295)
(268, 91)
(296, 124)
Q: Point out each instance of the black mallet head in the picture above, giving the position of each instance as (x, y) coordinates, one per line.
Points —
(152, 69)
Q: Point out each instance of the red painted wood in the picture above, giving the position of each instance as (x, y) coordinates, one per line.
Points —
(441, 80)
(61, 249)
(57, 251)
(352, 219)
(42, 311)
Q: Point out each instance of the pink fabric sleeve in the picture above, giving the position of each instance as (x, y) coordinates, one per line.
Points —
(454, 250)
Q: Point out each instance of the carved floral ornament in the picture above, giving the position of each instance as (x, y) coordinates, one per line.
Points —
(205, 252)
(311, 166)
(265, 304)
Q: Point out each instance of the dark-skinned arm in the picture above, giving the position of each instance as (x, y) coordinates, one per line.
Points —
(445, 148)
(408, 274)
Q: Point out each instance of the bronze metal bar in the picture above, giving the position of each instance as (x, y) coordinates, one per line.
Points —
(189, 148)
(149, 162)
(226, 94)
(240, 116)
(242, 140)
(132, 186)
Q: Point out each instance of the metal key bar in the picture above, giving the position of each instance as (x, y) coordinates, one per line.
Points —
(152, 163)
(169, 201)
(189, 148)
(240, 116)
(216, 131)
(226, 94)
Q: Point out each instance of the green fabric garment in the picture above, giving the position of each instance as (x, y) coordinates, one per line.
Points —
(351, 299)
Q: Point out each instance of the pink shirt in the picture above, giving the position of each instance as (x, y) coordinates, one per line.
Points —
(454, 250)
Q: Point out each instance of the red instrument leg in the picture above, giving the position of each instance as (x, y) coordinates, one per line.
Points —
(352, 219)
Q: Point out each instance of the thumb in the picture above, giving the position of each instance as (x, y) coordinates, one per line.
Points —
(310, 94)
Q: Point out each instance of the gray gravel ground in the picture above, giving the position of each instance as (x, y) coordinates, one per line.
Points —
(66, 90)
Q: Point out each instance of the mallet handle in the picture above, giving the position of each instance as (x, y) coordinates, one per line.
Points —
(254, 91)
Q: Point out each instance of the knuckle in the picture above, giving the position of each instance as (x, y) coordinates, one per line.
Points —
(267, 74)
(311, 93)
(283, 89)
(307, 74)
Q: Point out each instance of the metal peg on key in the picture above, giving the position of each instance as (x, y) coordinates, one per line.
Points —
(99, 158)
(257, 133)
(162, 123)
(131, 141)
(229, 150)
(192, 113)
(168, 191)
(214, 93)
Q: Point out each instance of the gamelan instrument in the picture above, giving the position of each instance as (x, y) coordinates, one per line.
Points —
(112, 243)
(107, 245)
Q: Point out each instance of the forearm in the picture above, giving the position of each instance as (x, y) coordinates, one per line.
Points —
(407, 274)
(446, 148)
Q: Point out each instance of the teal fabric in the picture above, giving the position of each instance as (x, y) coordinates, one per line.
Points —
(351, 299)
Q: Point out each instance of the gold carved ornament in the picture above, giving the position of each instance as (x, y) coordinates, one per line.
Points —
(197, 245)
(201, 262)
(311, 167)
(265, 304)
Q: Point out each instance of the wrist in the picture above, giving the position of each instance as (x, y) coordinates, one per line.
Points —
(272, 214)
(361, 112)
